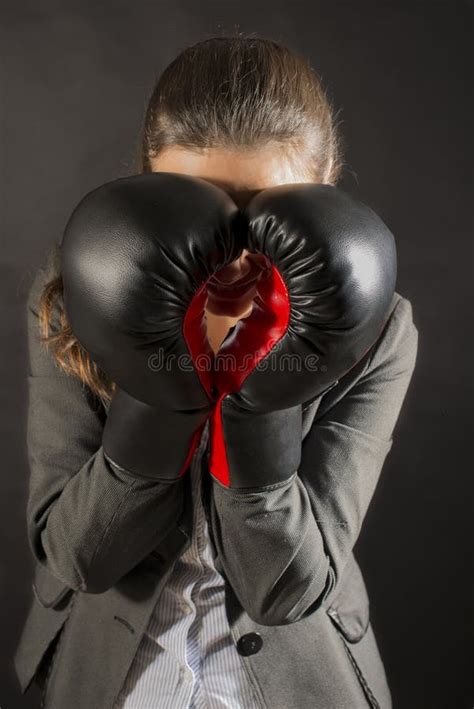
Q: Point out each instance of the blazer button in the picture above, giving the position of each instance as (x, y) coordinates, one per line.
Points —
(249, 644)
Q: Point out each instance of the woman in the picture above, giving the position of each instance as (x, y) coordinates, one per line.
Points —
(170, 629)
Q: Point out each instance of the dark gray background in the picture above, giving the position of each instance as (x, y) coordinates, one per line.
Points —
(75, 83)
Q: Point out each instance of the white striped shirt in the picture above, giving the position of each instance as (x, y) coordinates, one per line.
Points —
(187, 658)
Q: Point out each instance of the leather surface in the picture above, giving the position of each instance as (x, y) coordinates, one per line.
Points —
(135, 258)
(338, 261)
(134, 254)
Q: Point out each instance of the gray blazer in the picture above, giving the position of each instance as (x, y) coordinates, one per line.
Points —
(104, 542)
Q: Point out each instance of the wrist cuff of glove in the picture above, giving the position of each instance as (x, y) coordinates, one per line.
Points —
(149, 442)
(254, 450)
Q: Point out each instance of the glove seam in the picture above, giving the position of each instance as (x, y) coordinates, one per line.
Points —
(138, 476)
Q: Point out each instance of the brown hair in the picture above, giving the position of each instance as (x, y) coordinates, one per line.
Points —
(234, 92)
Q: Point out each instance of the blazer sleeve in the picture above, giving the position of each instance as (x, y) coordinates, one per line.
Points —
(284, 548)
(87, 522)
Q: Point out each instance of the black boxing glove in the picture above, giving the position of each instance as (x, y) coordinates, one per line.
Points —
(322, 306)
(135, 257)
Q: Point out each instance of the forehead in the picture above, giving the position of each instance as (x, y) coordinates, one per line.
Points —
(239, 172)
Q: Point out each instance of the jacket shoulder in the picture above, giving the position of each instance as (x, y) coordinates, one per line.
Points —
(44, 274)
(41, 360)
(398, 340)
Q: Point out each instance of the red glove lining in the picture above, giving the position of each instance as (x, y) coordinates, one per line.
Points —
(252, 339)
